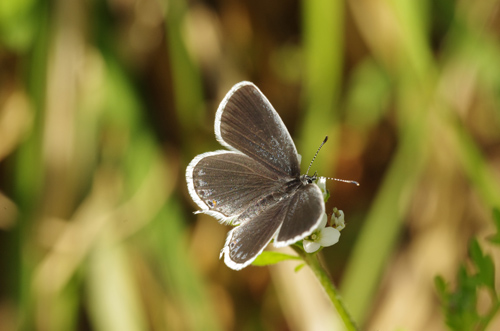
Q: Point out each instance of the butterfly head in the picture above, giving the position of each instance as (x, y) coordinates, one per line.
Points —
(306, 179)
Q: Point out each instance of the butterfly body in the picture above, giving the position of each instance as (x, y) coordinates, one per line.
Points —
(283, 191)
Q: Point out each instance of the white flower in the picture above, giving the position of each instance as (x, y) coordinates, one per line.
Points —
(338, 219)
(323, 236)
(322, 185)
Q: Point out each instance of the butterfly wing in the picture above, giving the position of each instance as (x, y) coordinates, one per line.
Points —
(246, 241)
(247, 122)
(288, 221)
(303, 215)
(224, 183)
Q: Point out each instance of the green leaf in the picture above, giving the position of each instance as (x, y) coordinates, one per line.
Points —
(495, 239)
(485, 266)
(441, 286)
(475, 251)
(327, 196)
(487, 272)
(299, 267)
(461, 306)
(267, 258)
(496, 217)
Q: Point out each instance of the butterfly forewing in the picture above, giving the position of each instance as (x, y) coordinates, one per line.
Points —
(246, 121)
(225, 183)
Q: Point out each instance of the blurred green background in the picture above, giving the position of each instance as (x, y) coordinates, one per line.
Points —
(103, 103)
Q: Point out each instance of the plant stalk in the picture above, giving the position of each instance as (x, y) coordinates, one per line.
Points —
(330, 289)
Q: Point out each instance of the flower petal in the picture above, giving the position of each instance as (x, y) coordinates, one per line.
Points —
(329, 237)
(310, 246)
(322, 185)
(322, 224)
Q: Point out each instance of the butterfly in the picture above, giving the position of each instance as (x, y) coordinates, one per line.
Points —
(255, 184)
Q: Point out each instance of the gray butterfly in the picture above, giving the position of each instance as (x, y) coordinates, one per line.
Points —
(256, 184)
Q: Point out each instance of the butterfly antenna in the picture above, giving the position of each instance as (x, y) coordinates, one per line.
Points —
(310, 164)
(343, 180)
(336, 179)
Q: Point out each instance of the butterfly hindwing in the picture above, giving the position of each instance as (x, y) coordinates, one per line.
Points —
(303, 215)
(246, 241)
(287, 221)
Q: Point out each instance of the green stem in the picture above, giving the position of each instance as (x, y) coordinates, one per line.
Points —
(330, 289)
